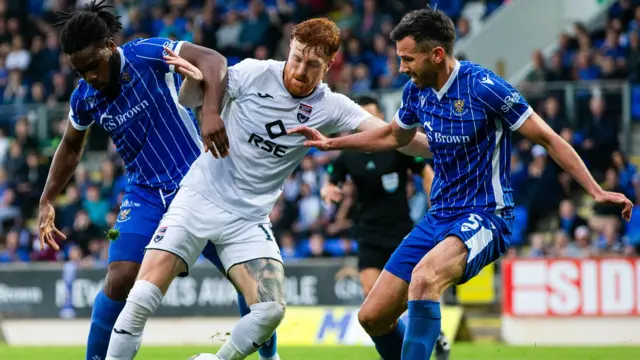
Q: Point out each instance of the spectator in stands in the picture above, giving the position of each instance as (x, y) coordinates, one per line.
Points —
(84, 232)
(568, 220)
(317, 246)
(462, 28)
(11, 251)
(582, 241)
(562, 248)
(604, 216)
(538, 246)
(609, 242)
(600, 136)
(626, 173)
(310, 210)
(96, 206)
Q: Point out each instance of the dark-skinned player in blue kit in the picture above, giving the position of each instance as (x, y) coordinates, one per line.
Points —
(132, 93)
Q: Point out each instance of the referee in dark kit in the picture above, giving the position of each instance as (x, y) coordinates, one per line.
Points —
(382, 217)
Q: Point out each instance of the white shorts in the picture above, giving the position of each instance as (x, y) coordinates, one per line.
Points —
(192, 221)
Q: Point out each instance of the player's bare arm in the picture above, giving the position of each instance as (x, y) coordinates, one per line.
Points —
(537, 130)
(63, 165)
(427, 179)
(213, 68)
(418, 145)
(383, 138)
(190, 94)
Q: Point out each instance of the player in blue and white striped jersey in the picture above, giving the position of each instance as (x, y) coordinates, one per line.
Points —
(131, 92)
(468, 114)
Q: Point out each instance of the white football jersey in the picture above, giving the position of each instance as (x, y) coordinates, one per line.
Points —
(257, 112)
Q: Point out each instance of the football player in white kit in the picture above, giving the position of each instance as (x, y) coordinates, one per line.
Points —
(228, 200)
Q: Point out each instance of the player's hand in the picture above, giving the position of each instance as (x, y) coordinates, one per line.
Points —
(214, 135)
(182, 66)
(48, 232)
(314, 137)
(613, 198)
(331, 193)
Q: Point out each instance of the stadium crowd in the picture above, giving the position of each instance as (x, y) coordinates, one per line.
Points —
(32, 70)
(575, 227)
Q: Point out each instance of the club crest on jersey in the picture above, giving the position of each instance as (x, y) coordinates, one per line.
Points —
(304, 113)
(458, 107)
(124, 215)
(159, 234)
(125, 77)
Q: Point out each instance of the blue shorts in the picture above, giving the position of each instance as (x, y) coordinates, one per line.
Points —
(486, 235)
(140, 213)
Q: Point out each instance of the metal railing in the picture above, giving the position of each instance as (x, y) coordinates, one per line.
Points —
(572, 96)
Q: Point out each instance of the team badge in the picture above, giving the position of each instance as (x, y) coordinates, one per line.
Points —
(124, 215)
(159, 234)
(304, 113)
(126, 77)
(458, 107)
(391, 182)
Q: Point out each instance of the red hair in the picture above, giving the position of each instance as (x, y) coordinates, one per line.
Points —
(319, 33)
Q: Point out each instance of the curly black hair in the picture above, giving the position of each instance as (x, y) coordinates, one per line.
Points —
(82, 28)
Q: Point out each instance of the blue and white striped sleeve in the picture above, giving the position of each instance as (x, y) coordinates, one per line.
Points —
(405, 116)
(78, 116)
(502, 99)
(152, 51)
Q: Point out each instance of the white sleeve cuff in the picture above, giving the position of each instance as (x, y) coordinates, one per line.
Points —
(78, 126)
(522, 119)
(405, 126)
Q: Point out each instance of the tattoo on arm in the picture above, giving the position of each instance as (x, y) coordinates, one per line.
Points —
(269, 276)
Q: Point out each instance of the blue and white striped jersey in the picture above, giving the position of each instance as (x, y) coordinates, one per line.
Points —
(467, 124)
(157, 137)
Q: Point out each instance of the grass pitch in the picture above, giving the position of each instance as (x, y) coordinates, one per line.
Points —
(461, 351)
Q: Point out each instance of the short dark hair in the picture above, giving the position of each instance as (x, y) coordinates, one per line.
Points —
(86, 27)
(366, 99)
(428, 28)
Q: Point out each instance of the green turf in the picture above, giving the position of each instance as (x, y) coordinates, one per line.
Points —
(460, 352)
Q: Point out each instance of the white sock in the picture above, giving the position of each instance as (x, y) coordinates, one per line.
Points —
(253, 330)
(126, 337)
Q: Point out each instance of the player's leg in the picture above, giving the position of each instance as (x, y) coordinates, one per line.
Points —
(137, 220)
(109, 302)
(268, 351)
(175, 246)
(380, 314)
(368, 278)
(371, 261)
(249, 252)
(157, 271)
(469, 244)
(381, 310)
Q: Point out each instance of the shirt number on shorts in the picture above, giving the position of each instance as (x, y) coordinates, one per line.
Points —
(267, 232)
(473, 223)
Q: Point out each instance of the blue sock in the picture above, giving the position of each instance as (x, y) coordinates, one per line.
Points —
(389, 346)
(104, 316)
(423, 330)
(269, 348)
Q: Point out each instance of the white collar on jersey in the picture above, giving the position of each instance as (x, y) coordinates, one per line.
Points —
(122, 59)
(447, 85)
